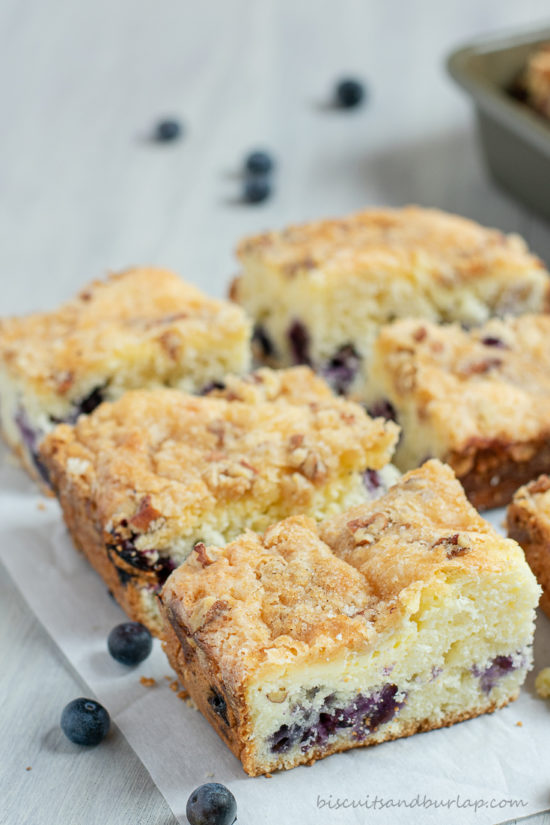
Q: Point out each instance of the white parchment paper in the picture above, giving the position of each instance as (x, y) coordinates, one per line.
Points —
(486, 770)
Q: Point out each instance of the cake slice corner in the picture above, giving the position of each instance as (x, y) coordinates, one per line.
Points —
(403, 615)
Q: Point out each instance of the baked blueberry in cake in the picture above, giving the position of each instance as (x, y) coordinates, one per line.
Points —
(318, 292)
(477, 399)
(145, 479)
(401, 615)
(140, 328)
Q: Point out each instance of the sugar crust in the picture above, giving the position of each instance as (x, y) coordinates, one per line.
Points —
(302, 592)
(452, 247)
(145, 315)
(459, 393)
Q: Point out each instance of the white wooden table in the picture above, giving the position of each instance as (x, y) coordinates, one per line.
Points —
(83, 190)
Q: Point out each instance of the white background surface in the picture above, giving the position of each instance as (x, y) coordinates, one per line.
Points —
(83, 190)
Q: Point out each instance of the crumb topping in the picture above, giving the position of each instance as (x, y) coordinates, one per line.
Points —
(453, 248)
(144, 312)
(158, 464)
(533, 501)
(303, 591)
(295, 385)
(491, 383)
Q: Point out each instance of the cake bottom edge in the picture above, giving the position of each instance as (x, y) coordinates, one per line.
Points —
(215, 709)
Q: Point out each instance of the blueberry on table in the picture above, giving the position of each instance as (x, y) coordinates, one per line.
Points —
(85, 722)
(259, 163)
(256, 189)
(211, 804)
(349, 93)
(130, 643)
(168, 130)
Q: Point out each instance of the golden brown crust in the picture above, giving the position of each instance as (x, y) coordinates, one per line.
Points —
(301, 592)
(528, 522)
(484, 395)
(139, 477)
(194, 456)
(296, 385)
(452, 248)
(124, 581)
(143, 315)
(497, 469)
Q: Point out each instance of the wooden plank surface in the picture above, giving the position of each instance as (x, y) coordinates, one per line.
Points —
(83, 189)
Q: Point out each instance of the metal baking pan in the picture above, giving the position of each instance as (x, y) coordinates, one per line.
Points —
(514, 138)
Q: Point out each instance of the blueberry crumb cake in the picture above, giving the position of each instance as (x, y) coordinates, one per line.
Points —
(402, 615)
(535, 82)
(144, 479)
(319, 291)
(478, 399)
(528, 522)
(144, 327)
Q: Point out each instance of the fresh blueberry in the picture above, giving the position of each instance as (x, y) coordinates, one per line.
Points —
(256, 189)
(211, 804)
(130, 643)
(167, 130)
(85, 722)
(259, 163)
(349, 93)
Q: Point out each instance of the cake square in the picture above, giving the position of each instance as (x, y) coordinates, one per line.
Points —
(146, 478)
(528, 522)
(402, 615)
(478, 399)
(144, 327)
(535, 83)
(319, 292)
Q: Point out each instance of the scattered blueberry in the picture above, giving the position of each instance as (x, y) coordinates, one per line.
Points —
(85, 722)
(259, 163)
(130, 643)
(256, 189)
(349, 93)
(167, 130)
(211, 804)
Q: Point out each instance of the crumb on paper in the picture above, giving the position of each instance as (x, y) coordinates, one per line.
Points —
(174, 686)
(168, 678)
(40, 506)
(146, 681)
(182, 694)
(209, 775)
(268, 775)
(542, 683)
(519, 724)
(28, 768)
